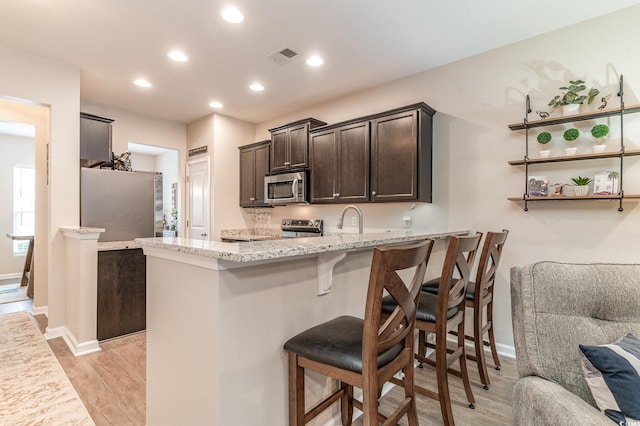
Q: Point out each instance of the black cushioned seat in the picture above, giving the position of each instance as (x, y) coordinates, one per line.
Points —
(338, 343)
(431, 286)
(426, 307)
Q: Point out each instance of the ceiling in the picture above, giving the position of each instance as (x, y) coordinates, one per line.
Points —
(364, 43)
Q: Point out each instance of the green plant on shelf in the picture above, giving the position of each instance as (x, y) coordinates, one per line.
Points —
(544, 138)
(581, 181)
(599, 131)
(570, 135)
(572, 94)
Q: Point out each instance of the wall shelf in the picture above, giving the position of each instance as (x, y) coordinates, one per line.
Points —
(526, 125)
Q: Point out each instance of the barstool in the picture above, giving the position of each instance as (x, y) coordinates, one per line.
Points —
(440, 314)
(364, 353)
(484, 284)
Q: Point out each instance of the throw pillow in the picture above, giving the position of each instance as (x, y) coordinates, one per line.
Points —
(613, 375)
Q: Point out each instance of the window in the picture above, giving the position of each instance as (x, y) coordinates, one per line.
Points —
(24, 201)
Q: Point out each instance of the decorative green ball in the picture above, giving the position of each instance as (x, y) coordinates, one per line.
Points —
(571, 135)
(544, 138)
(600, 131)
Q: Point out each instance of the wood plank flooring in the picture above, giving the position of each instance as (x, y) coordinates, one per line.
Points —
(493, 406)
(111, 384)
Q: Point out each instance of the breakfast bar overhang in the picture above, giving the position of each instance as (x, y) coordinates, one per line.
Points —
(219, 313)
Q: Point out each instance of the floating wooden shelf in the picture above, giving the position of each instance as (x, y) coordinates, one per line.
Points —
(573, 118)
(559, 159)
(574, 198)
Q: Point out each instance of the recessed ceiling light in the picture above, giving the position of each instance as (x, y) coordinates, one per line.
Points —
(257, 87)
(177, 56)
(233, 15)
(141, 82)
(215, 104)
(315, 61)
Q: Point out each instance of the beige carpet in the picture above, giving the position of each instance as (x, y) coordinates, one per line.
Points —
(12, 293)
(34, 389)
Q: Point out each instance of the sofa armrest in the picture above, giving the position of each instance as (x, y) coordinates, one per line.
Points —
(537, 401)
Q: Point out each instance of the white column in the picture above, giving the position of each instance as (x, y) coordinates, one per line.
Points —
(81, 250)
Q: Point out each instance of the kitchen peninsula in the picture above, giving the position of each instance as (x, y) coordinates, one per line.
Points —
(218, 314)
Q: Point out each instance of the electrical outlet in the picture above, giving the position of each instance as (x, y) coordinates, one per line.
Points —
(354, 221)
(406, 221)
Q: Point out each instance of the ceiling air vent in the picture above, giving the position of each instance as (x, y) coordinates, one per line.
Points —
(282, 56)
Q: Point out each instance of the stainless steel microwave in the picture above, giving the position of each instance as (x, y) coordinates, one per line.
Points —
(286, 188)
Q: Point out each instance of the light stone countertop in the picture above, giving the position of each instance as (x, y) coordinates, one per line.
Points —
(118, 245)
(288, 247)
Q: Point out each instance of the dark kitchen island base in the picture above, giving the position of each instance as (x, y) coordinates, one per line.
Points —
(121, 293)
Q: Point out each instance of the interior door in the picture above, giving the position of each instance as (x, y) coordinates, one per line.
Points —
(198, 203)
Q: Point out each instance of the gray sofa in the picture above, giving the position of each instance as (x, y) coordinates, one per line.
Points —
(556, 306)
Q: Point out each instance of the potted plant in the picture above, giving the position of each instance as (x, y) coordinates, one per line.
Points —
(570, 135)
(599, 131)
(572, 97)
(581, 187)
(543, 139)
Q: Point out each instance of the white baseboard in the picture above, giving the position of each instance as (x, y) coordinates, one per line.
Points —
(17, 275)
(76, 348)
(40, 310)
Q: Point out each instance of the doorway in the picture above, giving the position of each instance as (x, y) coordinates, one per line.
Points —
(24, 134)
(149, 158)
(198, 199)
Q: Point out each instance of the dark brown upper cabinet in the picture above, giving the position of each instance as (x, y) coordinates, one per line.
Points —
(339, 158)
(254, 165)
(401, 151)
(384, 157)
(290, 145)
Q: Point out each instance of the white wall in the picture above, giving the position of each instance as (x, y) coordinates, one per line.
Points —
(55, 86)
(476, 99)
(146, 130)
(143, 162)
(222, 135)
(14, 151)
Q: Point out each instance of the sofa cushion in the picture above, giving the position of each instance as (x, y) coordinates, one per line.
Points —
(613, 374)
(557, 306)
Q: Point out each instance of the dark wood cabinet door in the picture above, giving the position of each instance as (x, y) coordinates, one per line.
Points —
(254, 165)
(394, 157)
(323, 154)
(121, 293)
(279, 150)
(261, 168)
(298, 146)
(353, 163)
(247, 177)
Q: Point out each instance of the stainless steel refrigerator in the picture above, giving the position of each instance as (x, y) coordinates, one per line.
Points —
(127, 205)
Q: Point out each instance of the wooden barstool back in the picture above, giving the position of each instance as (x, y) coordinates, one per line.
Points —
(483, 296)
(364, 353)
(449, 315)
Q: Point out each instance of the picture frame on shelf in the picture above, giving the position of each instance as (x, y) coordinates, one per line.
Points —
(537, 186)
(606, 183)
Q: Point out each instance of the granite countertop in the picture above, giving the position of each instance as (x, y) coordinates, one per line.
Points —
(288, 247)
(261, 234)
(118, 245)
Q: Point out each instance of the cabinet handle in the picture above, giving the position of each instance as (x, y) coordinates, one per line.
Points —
(337, 194)
(252, 199)
(203, 235)
(373, 193)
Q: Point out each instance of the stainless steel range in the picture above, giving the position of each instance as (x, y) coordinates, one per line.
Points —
(300, 228)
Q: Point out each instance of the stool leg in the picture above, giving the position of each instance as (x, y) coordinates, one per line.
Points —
(443, 381)
(492, 340)
(478, 341)
(463, 367)
(346, 405)
(422, 346)
(296, 391)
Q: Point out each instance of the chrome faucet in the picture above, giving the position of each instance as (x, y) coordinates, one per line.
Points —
(357, 209)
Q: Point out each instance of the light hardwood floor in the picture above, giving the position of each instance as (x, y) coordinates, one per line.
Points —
(111, 384)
